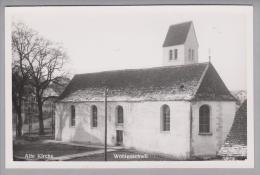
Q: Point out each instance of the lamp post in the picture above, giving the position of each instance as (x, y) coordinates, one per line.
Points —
(106, 124)
(52, 118)
(29, 116)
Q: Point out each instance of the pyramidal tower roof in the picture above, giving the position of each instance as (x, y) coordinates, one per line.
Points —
(177, 34)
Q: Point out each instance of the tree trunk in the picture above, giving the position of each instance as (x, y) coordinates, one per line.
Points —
(17, 102)
(40, 117)
(19, 124)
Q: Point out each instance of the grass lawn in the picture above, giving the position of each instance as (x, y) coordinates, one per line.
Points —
(125, 155)
(54, 149)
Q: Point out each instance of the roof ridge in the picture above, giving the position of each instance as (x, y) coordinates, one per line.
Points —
(190, 21)
(136, 69)
(201, 79)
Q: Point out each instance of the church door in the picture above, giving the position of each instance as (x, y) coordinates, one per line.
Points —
(119, 137)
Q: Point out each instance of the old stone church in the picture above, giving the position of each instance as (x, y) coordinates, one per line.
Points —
(182, 108)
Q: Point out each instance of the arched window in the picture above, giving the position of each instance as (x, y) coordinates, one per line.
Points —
(204, 119)
(94, 116)
(120, 114)
(165, 118)
(73, 116)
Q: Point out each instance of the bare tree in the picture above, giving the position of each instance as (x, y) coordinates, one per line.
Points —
(18, 91)
(42, 60)
(21, 47)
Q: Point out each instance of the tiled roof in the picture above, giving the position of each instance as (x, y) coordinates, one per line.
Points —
(177, 34)
(236, 142)
(159, 83)
(212, 87)
(238, 131)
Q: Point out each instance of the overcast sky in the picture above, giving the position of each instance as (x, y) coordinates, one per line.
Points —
(109, 38)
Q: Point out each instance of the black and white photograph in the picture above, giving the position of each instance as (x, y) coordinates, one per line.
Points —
(129, 86)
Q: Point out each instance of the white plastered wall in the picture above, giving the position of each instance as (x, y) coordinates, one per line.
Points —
(222, 114)
(141, 128)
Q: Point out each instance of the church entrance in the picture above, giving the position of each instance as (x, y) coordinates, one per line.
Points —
(119, 137)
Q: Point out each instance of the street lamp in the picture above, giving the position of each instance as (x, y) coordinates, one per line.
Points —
(106, 90)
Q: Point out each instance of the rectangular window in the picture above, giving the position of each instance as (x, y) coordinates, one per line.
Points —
(119, 137)
(170, 55)
(192, 54)
(175, 54)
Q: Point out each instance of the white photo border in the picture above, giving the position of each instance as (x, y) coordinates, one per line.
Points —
(249, 163)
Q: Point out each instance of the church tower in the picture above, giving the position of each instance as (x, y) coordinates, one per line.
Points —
(180, 46)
